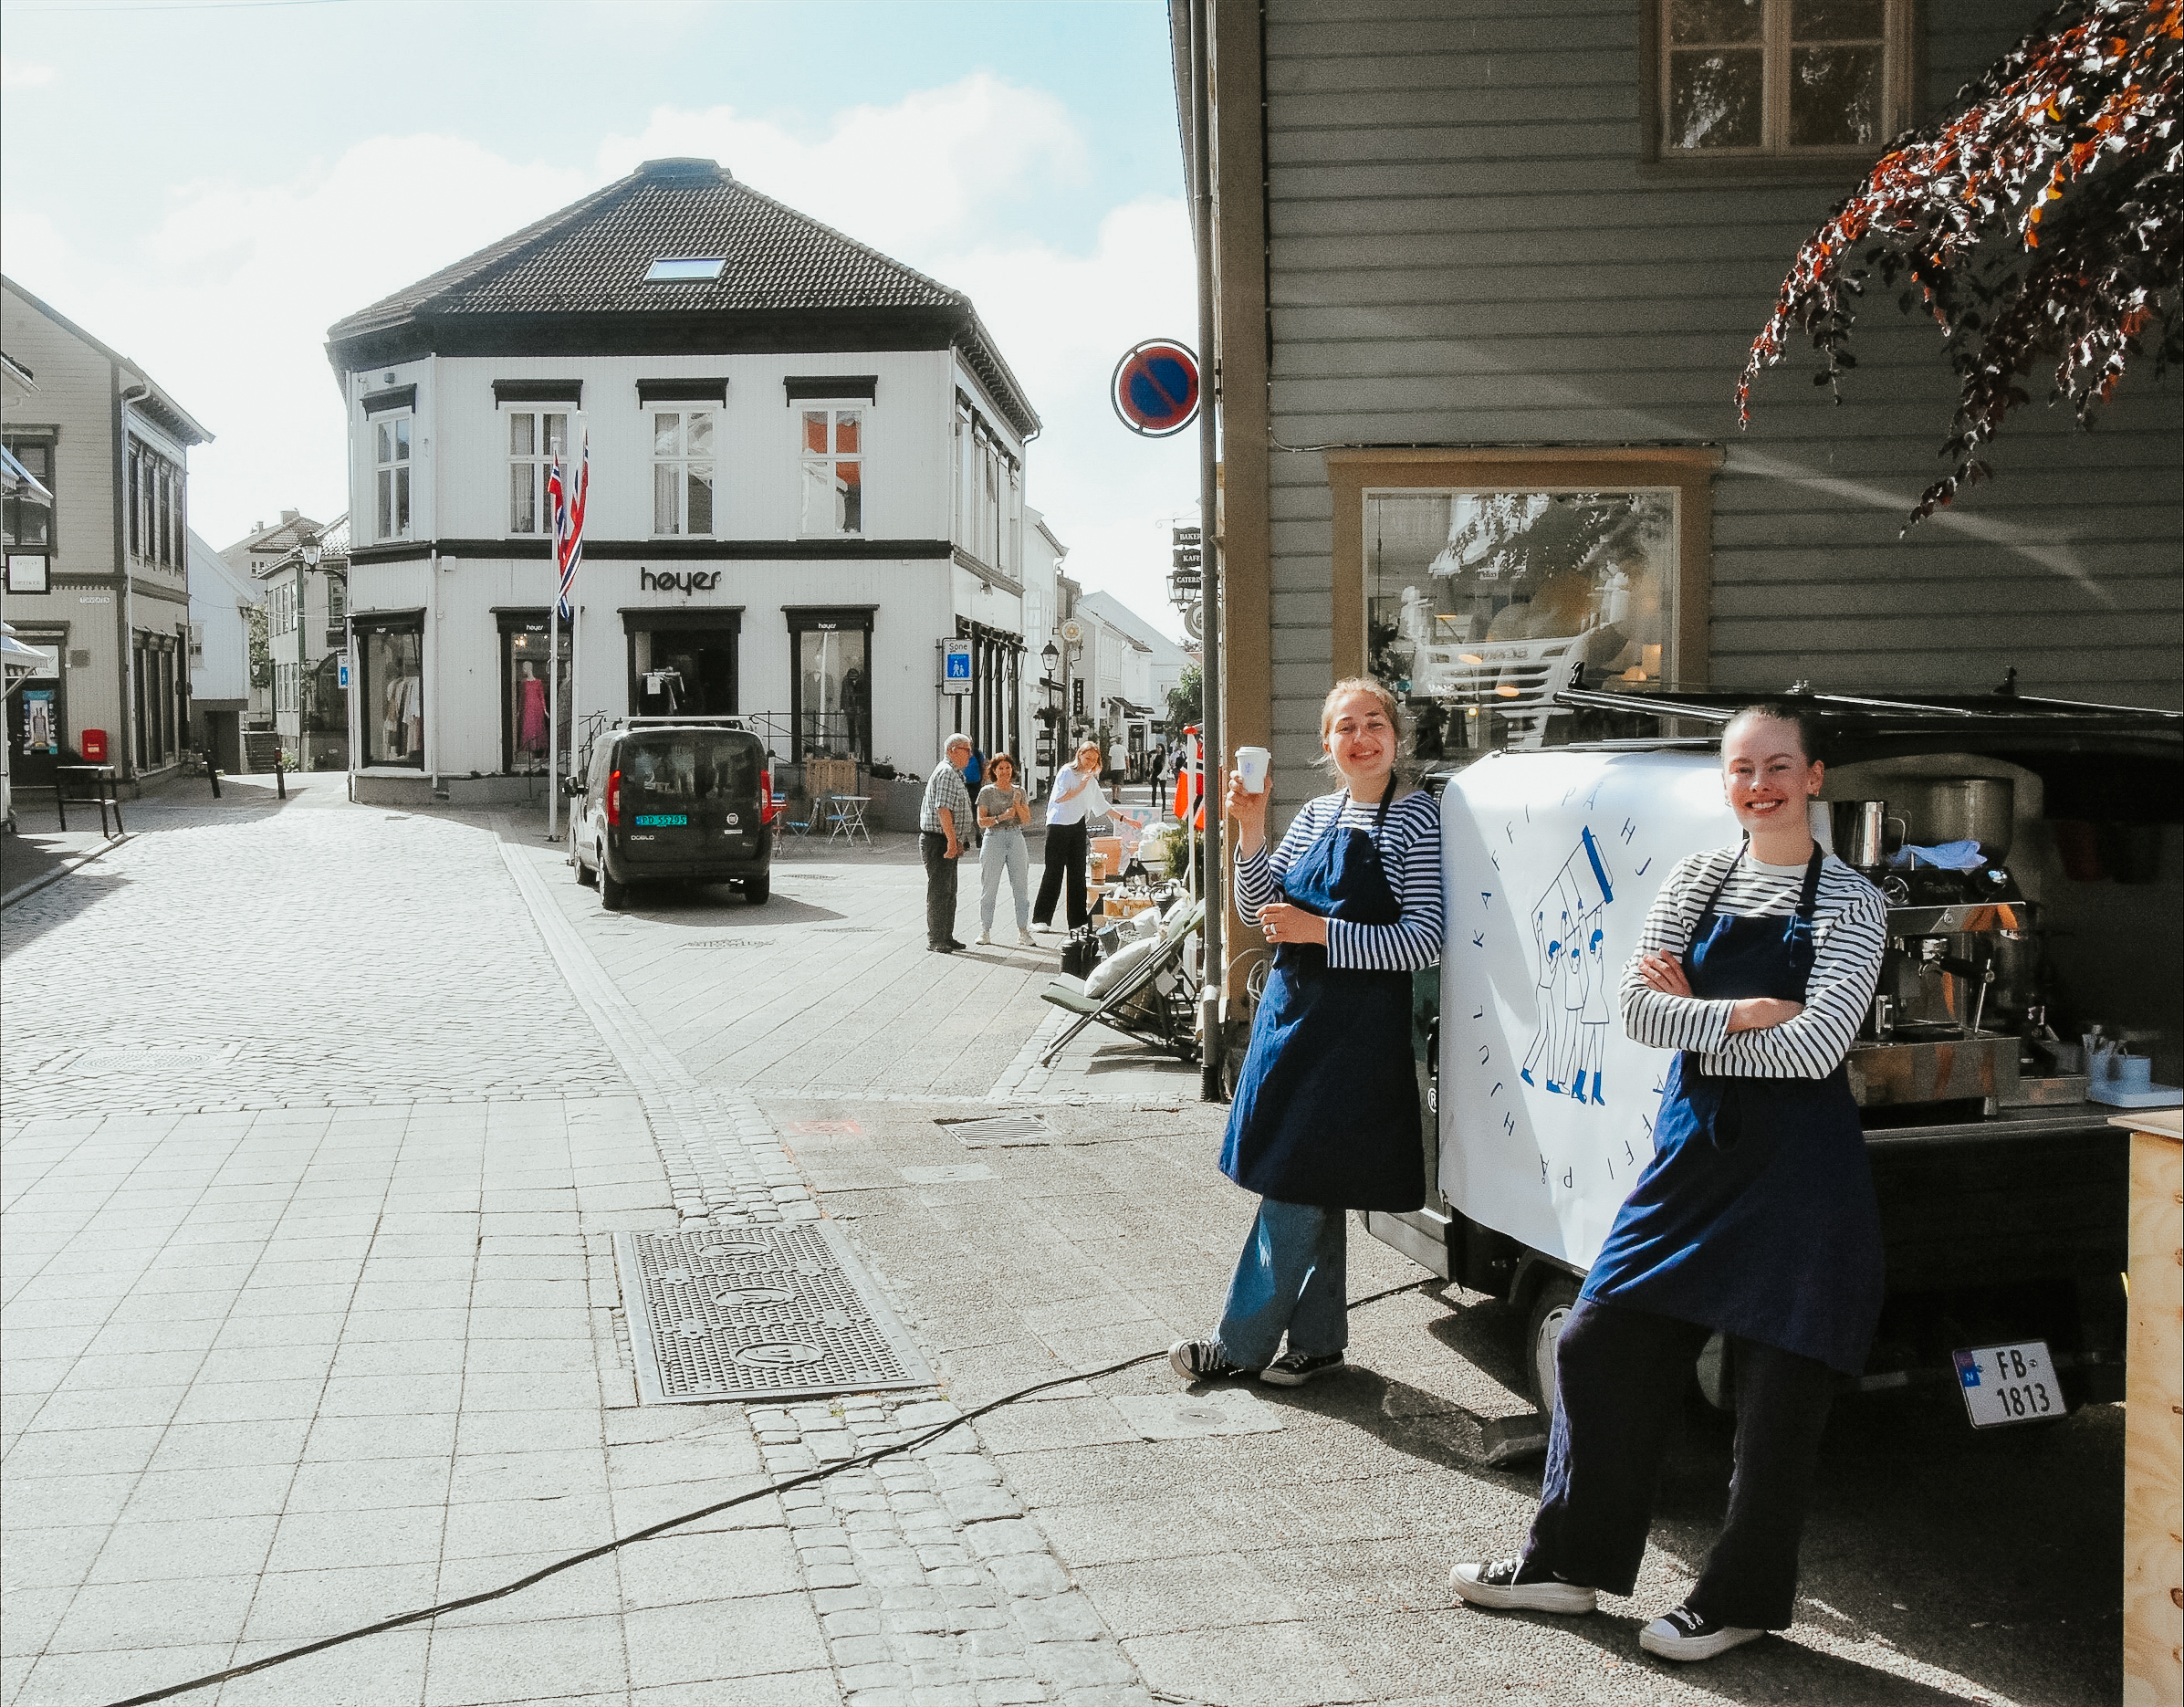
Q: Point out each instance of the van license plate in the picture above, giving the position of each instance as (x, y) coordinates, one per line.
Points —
(663, 817)
(2004, 1384)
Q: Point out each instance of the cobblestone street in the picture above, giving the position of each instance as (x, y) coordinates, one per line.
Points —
(320, 1124)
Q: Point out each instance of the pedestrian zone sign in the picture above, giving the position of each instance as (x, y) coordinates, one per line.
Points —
(956, 671)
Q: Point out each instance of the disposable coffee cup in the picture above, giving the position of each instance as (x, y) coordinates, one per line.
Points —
(1252, 764)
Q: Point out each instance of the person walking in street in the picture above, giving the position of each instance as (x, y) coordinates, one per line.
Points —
(1326, 1118)
(1003, 812)
(1076, 798)
(1755, 1218)
(943, 819)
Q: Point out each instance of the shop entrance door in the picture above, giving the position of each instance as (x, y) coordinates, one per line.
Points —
(37, 719)
(686, 666)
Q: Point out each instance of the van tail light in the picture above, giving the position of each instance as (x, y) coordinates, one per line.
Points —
(767, 809)
(614, 798)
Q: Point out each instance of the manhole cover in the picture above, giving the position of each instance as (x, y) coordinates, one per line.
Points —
(989, 1130)
(731, 942)
(125, 1060)
(757, 1312)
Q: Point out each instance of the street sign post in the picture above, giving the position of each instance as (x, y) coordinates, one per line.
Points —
(956, 666)
(1155, 388)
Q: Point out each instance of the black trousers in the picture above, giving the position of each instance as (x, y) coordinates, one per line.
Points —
(1066, 846)
(940, 888)
(1623, 1376)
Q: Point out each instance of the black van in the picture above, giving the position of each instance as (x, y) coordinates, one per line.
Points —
(689, 798)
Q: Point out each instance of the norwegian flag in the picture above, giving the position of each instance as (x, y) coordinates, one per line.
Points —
(565, 497)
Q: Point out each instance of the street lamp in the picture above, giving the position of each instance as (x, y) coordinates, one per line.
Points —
(310, 549)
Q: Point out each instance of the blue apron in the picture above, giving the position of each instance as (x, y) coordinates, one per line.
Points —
(1756, 1216)
(1326, 1109)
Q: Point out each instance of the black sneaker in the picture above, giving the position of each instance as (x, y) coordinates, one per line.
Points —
(1202, 1360)
(1497, 1583)
(1294, 1368)
(941, 948)
(1684, 1635)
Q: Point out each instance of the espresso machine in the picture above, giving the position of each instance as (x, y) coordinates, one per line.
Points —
(1935, 1032)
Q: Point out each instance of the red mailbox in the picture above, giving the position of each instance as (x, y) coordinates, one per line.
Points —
(94, 747)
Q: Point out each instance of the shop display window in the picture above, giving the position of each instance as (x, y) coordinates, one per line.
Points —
(525, 673)
(833, 687)
(683, 670)
(1481, 605)
(391, 693)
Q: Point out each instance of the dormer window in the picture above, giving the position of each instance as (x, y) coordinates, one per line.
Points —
(685, 269)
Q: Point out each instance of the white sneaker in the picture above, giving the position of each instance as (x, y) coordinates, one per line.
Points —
(984, 939)
(1026, 940)
(1493, 1582)
(1684, 1635)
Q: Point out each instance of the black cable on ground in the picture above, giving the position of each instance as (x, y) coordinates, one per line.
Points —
(646, 1533)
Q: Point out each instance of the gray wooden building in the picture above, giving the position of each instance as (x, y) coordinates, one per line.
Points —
(1486, 276)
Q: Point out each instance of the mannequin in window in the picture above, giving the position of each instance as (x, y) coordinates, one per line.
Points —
(530, 711)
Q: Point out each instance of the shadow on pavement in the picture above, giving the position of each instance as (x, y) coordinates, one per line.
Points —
(717, 906)
(57, 903)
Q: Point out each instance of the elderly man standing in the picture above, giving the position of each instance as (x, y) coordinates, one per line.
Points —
(944, 820)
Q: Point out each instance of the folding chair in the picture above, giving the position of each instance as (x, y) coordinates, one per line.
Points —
(1155, 1003)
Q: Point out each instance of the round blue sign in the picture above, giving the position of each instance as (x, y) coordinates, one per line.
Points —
(1155, 388)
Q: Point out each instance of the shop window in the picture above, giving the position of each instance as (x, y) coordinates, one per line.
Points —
(683, 471)
(1481, 594)
(391, 693)
(833, 462)
(1779, 78)
(535, 437)
(527, 674)
(683, 669)
(832, 683)
(390, 475)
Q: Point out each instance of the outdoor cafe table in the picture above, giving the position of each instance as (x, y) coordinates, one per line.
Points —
(100, 779)
(845, 817)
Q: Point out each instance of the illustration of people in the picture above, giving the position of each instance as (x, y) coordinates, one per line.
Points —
(1568, 937)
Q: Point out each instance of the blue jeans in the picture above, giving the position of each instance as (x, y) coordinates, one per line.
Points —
(1293, 1274)
(1004, 851)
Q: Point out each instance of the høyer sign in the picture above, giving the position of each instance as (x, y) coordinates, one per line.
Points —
(678, 580)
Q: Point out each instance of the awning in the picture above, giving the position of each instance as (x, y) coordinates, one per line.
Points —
(21, 662)
(15, 478)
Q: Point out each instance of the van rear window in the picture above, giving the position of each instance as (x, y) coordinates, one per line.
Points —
(670, 772)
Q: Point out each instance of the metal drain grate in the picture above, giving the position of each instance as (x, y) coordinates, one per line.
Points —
(149, 1060)
(757, 1312)
(990, 1130)
(730, 942)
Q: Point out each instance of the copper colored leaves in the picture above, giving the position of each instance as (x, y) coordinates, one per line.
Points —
(2042, 224)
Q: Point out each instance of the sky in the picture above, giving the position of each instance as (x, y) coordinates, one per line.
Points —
(207, 186)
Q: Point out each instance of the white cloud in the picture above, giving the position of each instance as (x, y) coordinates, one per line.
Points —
(251, 271)
(25, 73)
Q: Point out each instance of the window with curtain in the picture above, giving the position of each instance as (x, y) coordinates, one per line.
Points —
(683, 471)
(535, 437)
(390, 471)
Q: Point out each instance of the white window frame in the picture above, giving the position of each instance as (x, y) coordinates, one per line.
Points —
(392, 475)
(1775, 47)
(811, 465)
(672, 473)
(534, 467)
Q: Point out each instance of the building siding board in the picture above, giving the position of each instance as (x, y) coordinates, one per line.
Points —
(1444, 269)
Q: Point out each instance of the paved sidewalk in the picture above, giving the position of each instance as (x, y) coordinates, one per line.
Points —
(310, 1319)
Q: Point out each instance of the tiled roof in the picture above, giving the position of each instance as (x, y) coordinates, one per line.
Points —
(591, 258)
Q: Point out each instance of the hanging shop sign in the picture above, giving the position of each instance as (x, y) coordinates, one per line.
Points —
(1155, 388)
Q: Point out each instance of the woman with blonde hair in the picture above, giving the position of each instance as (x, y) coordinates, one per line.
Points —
(1075, 799)
(1326, 1118)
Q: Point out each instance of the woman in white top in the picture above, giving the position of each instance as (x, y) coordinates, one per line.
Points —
(1076, 798)
(1755, 1218)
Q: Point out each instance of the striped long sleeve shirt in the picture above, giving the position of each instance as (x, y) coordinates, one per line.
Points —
(1850, 930)
(1410, 853)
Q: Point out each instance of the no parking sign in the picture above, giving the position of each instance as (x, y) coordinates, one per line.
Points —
(1155, 388)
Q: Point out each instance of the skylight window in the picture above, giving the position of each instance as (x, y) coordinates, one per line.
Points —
(685, 269)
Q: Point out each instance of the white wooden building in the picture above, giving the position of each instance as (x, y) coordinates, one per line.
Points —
(806, 466)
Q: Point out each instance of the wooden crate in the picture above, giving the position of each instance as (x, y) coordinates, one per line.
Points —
(830, 776)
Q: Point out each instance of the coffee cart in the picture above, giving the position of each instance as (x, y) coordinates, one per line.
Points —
(2002, 1186)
